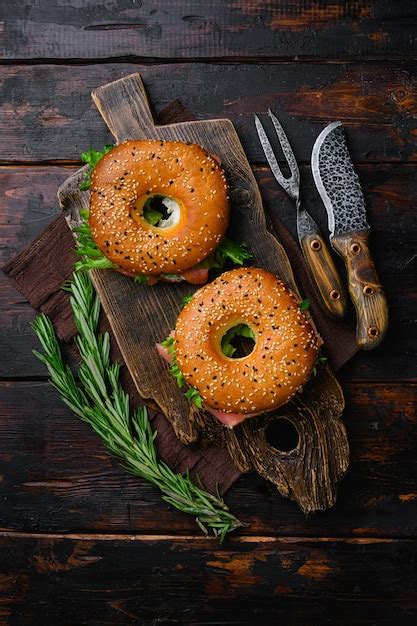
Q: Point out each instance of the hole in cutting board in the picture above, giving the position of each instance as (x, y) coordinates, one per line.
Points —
(282, 435)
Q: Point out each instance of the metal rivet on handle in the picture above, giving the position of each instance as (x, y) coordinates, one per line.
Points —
(335, 294)
(315, 244)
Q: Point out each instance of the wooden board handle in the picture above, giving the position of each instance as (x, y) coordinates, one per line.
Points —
(124, 106)
(364, 288)
(319, 259)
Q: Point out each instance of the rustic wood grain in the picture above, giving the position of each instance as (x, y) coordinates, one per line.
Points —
(211, 29)
(28, 203)
(57, 476)
(60, 478)
(310, 473)
(47, 113)
(320, 260)
(146, 580)
(365, 288)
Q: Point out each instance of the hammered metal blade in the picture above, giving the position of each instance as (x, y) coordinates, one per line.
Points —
(337, 181)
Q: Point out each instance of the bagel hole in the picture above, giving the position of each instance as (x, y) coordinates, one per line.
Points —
(282, 435)
(238, 342)
(161, 211)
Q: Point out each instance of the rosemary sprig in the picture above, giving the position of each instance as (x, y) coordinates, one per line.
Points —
(100, 401)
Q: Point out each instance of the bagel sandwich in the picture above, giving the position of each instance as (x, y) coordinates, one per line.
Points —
(281, 352)
(158, 210)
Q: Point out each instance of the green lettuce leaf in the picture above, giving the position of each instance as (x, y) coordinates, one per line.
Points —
(91, 257)
(242, 330)
(186, 299)
(191, 394)
(229, 250)
(91, 157)
(142, 280)
(150, 214)
(194, 396)
(169, 345)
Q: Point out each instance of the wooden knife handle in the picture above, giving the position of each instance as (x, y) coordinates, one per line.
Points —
(364, 288)
(320, 261)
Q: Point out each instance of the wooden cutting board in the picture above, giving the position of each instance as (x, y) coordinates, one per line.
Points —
(141, 316)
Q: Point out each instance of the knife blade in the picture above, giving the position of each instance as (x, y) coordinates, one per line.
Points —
(339, 187)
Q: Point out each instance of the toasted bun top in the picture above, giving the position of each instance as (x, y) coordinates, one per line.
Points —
(285, 342)
(131, 173)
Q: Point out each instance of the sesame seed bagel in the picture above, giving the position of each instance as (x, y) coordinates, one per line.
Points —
(285, 343)
(187, 177)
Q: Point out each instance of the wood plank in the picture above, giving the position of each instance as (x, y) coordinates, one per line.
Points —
(197, 581)
(47, 111)
(28, 203)
(57, 477)
(215, 28)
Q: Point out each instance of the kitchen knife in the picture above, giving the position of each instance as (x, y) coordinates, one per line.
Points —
(339, 187)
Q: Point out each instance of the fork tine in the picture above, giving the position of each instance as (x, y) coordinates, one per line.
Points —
(270, 156)
(286, 148)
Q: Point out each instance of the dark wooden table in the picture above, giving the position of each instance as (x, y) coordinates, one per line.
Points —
(82, 542)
